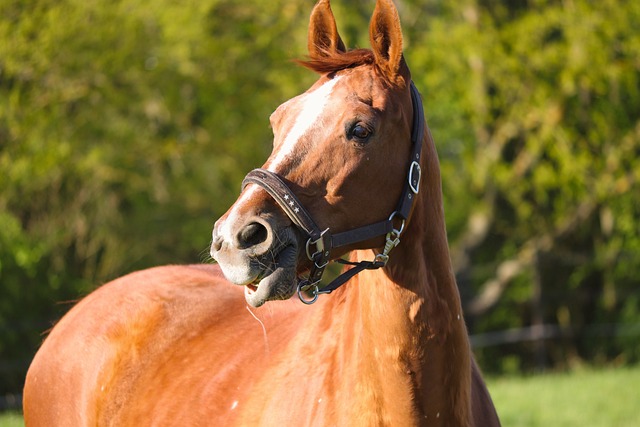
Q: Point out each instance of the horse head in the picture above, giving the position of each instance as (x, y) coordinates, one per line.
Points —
(342, 149)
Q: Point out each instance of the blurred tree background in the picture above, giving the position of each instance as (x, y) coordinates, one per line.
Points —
(126, 127)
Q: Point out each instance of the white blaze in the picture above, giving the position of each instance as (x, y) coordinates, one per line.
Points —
(313, 105)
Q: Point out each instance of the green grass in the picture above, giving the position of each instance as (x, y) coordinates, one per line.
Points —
(11, 419)
(585, 398)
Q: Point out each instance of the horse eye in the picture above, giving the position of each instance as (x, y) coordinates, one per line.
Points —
(360, 133)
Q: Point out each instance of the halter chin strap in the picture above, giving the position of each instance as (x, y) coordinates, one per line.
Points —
(320, 243)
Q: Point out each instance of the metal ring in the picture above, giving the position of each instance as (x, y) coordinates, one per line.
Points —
(397, 232)
(315, 293)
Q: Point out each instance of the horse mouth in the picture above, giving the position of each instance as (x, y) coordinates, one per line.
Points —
(277, 280)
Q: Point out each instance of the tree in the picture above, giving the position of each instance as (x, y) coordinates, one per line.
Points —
(539, 163)
(126, 128)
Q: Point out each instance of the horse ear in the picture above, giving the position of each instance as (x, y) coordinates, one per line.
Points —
(323, 32)
(385, 35)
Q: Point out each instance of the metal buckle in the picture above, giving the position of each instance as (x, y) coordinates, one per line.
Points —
(320, 267)
(319, 246)
(415, 166)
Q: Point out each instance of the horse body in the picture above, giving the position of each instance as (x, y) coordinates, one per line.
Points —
(180, 344)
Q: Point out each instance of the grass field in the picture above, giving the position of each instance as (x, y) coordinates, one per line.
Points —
(608, 398)
(11, 420)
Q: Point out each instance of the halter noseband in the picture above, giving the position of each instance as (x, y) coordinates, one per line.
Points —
(320, 243)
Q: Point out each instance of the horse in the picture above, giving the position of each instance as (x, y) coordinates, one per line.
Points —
(353, 172)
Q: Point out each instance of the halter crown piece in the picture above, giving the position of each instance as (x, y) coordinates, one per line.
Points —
(320, 243)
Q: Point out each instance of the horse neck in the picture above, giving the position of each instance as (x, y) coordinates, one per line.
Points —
(408, 319)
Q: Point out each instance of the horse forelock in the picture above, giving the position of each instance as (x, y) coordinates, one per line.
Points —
(334, 61)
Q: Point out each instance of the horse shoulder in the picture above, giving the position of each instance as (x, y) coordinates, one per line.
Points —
(147, 338)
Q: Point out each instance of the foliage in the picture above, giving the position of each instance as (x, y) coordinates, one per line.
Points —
(536, 106)
(126, 128)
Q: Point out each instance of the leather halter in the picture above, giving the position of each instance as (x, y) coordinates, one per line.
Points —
(320, 243)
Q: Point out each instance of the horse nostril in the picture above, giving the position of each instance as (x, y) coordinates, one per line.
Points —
(252, 235)
(216, 243)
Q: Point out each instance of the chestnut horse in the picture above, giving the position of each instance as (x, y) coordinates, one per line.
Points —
(353, 170)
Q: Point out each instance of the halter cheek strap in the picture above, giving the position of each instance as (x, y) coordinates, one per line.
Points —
(320, 243)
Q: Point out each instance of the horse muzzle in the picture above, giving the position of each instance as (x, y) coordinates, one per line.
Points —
(254, 252)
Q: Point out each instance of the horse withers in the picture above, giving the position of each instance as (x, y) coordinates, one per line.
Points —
(354, 171)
